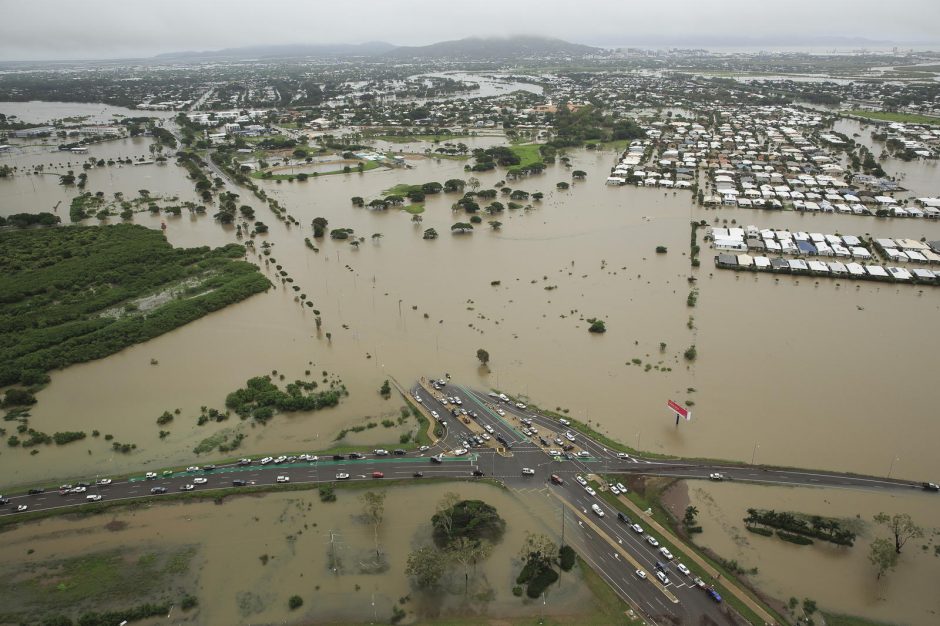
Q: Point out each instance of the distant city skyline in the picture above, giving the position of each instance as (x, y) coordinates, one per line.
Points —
(107, 29)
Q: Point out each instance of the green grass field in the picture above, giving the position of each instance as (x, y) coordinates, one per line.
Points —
(887, 116)
(367, 165)
(528, 153)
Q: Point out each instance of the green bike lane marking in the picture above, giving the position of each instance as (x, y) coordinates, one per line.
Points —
(472, 458)
(492, 413)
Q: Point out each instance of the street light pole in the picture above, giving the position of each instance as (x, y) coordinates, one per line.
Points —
(891, 469)
(754, 453)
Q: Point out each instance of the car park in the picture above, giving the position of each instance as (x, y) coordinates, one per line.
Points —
(157, 490)
(682, 568)
(200, 480)
(666, 553)
(342, 476)
(528, 471)
(597, 510)
(378, 475)
(662, 578)
(641, 574)
(637, 529)
(93, 497)
(650, 539)
(187, 487)
(581, 480)
(239, 483)
(590, 491)
(283, 479)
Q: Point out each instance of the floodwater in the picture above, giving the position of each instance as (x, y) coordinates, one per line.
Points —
(841, 580)
(38, 112)
(784, 366)
(286, 543)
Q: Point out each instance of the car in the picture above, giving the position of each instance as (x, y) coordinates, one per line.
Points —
(662, 578)
(520, 405)
(424, 448)
(661, 566)
(621, 488)
(641, 574)
(554, 452)
(244, 462)
(445, 401)
(356, 455)
(557, 479)
(584, 453)
(581, 480)
(590, 491)
(543, 440)
(192, 468)
(713, 594)
(34, 492)
(698, 582)
(65, 489)
(4, 500)
(312, 458)
(623, 455)
(682, 568)
(563, 421)
(501, 412)
(460, 451)
(637, 529)
(79, 489)
(280, 459)
(399, 452)
(569, 435)
(437, 459)
(930, 487)
(378, 475)
(380, 452)
(93, 497)
(418, 399)
(528, 471)
(167, 473)
(666, 553)
(239, 483)
(267, 459)
(150, 475)
(650, 539)
(567, 447)
(157, 490)
(716, 476)
(283, 479)
(526, 432)
(21, 508)
(187, 487)
(339, 457)
(458, 401)
(527, 421)
(597, 510)
(200, 480)
(208, 468)
(418, 474)
(477, 473)
(614, 490)
(559, 441)
(435, 415)
(104, 482)
(485, 437)
(342, 476)
(488, 429)
(493, 394)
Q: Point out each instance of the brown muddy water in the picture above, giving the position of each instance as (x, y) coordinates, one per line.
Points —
(784, 366)
(254, 552)
(841, 580)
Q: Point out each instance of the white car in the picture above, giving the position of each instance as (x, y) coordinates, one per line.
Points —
(581, 480)
(267, 460)
(569, 435)
(280, 460)
(418, 399)
(554, 452)
(485, 437)
(520, 405)
(200, 480)
(621, 488)
(528, 471)
(623, 455)
(186, 487)
(424, 448)
(21, 508)
(380, 452)
(93, 497)
(435, 415)
(597, 510)
(312, 458)
(641, 574)
(192, 468)
(590, 491)
(666, 553)
(488, 429)
(283, 479)
(79, 489)
(637, 529)
(662, 578)
(460, 451)
(650, 539)
(104, 482)
(526, 432)
(716, 476)
(501, 412)
(342, 476)
(150, 475)
(584, 453)
(614, 490)
(563, 421)
(682, 568)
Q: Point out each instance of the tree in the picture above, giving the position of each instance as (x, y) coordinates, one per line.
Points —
(484, 356)
(596, 326)
(883, 556)
(426, 566)
(319, 226)
(690, 513)
(538, 548)
(562, 185)
(579, 174)
(461, 227)
(373, 508)
(454, 184)
(295, 602)
(474, 183)
(468, 552)
(430, 233)
(902, 527)
(495, 224)
(443, 520)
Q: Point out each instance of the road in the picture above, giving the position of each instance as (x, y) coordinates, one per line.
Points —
(609, 545)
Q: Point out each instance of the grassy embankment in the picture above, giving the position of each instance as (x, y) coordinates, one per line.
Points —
(366, 166)
(888, 116)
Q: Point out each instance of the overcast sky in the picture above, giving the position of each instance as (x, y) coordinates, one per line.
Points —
(76, 29)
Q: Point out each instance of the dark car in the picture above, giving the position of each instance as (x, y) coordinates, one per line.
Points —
(339, 457)
(244, 462)
(930, 487)
(477, 472)
(157, 490)
(399, 452)
(4, 500)
(623, 518)
(239, 483)
(208, 468)
(418, 474)
(85, 485)
(436, 459)
(34, 492)
(714, 595)
(557, 479)
(355, 455)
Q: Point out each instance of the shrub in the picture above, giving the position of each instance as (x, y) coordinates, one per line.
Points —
(188, 602)
(295, 602)
(661, 249)
(540, 582)
(690, 354)
(597, 326)
(566, 558)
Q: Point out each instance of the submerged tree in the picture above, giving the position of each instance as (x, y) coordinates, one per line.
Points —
(484, 356)
(373, 508)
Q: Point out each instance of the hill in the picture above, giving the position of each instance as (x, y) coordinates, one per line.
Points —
(482, 48)
(371, 48)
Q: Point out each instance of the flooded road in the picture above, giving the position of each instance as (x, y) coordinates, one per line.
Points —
(783, 366)
(287, 543)
(840, 580)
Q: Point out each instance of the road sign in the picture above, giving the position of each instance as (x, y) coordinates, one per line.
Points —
(679, 410)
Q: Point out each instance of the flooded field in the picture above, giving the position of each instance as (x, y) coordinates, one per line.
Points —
(783, 366)
(247, 556)
(840, 580)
